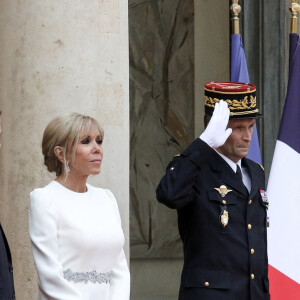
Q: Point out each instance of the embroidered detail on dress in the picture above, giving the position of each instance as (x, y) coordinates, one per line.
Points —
(92, 276)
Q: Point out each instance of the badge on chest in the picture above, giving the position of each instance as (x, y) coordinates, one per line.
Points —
(224, 214)
(264, 196)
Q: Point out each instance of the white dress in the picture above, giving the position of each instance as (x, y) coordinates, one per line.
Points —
(77, 244)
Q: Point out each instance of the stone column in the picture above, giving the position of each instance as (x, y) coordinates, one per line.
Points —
(59, 56)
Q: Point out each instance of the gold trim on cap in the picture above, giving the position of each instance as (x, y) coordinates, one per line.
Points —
(244, 112)
(233, 104)
(230, 93)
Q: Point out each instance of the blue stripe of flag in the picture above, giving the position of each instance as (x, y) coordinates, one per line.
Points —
(289, 132)
(239, 73)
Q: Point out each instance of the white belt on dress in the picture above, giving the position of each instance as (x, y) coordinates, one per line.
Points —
(91, 276)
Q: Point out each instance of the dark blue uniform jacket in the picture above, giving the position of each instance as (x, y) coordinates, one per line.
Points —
(7, 290)
(220, 263)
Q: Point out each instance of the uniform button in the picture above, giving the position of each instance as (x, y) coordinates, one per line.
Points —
(224, 202)
(252, 251)
(250, 202)
(206, 283)
(11, 269)
(249, 226)
(252, 276)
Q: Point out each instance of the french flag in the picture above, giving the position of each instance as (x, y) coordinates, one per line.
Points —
(284, 192)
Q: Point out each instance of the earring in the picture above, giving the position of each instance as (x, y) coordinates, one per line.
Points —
(68, 167)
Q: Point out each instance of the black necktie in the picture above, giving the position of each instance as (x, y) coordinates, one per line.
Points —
(239, 172)
(240, 175)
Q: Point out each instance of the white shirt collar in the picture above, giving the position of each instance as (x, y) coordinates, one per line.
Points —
(230, 162)
(245, 173)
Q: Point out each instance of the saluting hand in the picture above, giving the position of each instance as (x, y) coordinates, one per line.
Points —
(216, 134)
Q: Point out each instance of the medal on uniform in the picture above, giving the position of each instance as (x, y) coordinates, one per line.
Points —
(224, 215)
(224, 218)
(223, 190)
(264, 196)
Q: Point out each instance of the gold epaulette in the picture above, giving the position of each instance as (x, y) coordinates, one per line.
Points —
(176, 155)
(261, 166)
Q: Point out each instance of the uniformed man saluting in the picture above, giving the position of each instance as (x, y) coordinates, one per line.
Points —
(221, 202)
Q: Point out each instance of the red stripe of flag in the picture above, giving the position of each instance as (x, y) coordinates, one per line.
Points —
(282, 287)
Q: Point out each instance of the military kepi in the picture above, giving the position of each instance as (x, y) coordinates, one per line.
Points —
(240, 97)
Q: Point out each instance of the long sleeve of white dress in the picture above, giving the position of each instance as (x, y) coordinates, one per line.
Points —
(43, 229)
(120, 283)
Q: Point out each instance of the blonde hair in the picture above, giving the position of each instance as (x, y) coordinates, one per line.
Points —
(64, 131)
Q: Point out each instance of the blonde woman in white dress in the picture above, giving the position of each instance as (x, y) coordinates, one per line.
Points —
(75, 228)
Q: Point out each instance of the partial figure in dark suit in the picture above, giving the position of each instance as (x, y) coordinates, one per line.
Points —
(221, 202)
(7, 290)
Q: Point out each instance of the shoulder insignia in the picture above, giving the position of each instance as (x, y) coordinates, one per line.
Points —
(261, 166)
(176, 155)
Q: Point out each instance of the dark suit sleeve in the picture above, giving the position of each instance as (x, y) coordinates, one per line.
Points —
(176, 188)
(7, 290)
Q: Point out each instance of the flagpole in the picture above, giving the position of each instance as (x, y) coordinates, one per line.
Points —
(294, 8)
(235, 9)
